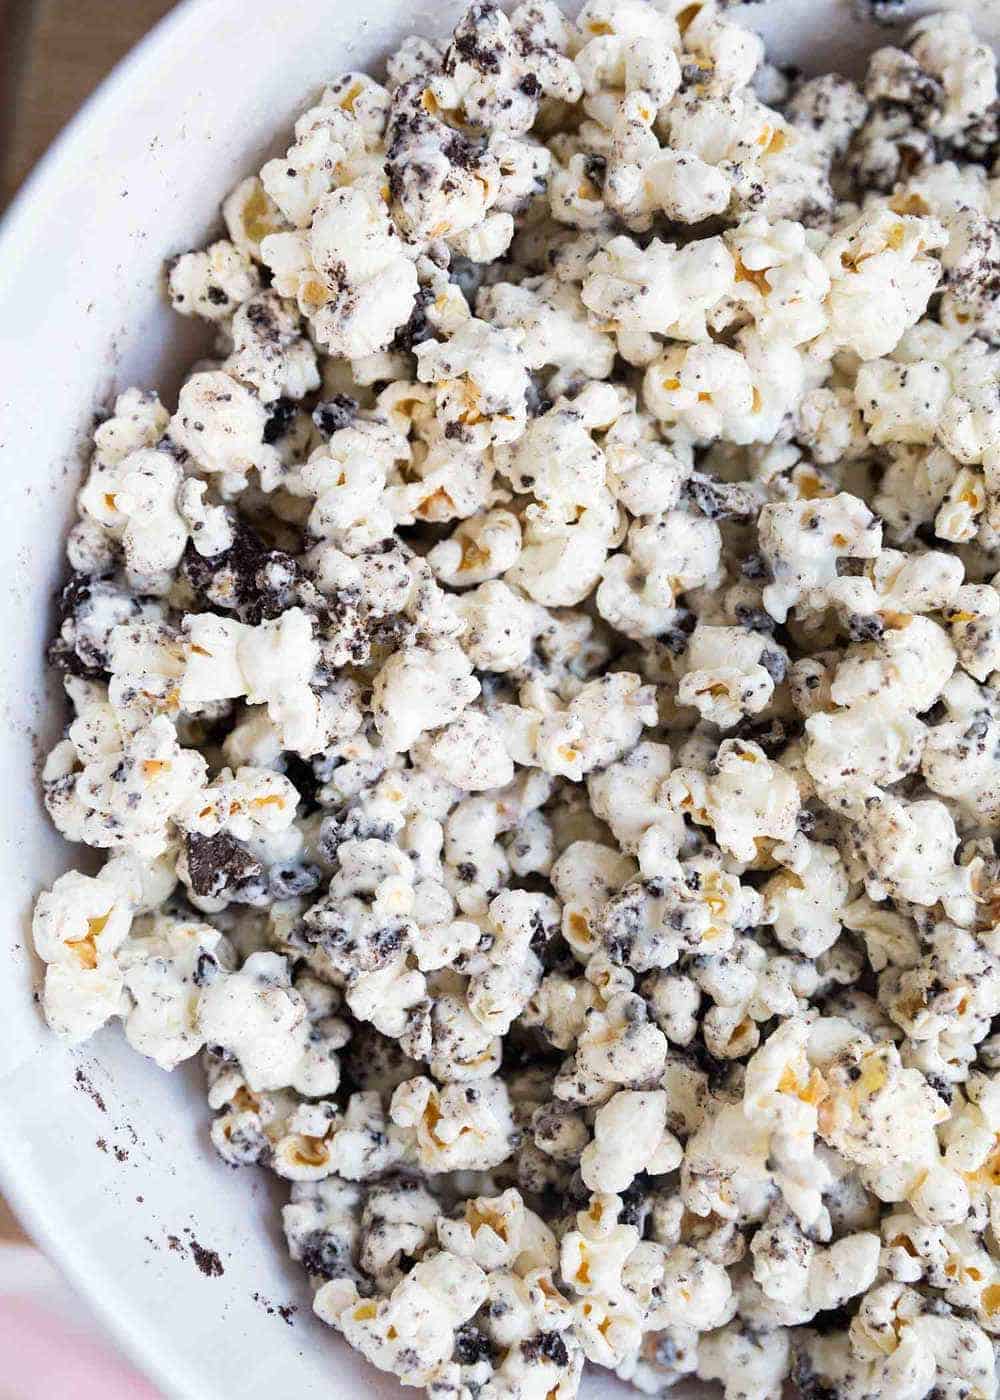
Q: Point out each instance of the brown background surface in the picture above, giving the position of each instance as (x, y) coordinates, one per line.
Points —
(53, 53)
(9, 1228)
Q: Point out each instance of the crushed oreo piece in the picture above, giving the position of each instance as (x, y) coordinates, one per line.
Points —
(333, 414)
(282, 413)
(417, 329)
(217, 864)
(248, 578)
(88, 609)
(721, 500)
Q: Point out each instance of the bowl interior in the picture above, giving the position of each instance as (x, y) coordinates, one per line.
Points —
(106, 1158)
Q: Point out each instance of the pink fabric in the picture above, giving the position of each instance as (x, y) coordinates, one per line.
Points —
(42, 1359)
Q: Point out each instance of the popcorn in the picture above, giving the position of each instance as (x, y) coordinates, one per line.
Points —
(316, 1141)
(641, 177)
(602, 723)
(780, 281)
(896, 586)
(139, 420)
(625, 795)
(618, 1046)
(710, 391)
(483, 72)
(685, 1288)
(457, 1128)
(880, 260)
(804, 904)
(943, 1003)
(912, 663)
(214, 283)
(660, 290)
(627, 45)
(960, 72)
(480, 549)
(448, 483)
(775, 168)
(556, 329)
(476, 863)
(832, 106)
(957, 757)
(933, 1349)
(269, 350)
(412, 1332)
(481, 382)
(239, 837)
(643, 474)
(209, 526)
(270, 664)
(399, 1222)
(593, 1255)
(78, 928)
(751, 1364)
(561, 562)
(165, 963)
(909, 848)
(585, 876)
(971, 252)
(248, 1125)
(221, 423)
(729, 673)
(801, 1280)
(443, 185)
(629, 1137)
(695, 907)
(914, 486)
(331, 142)
(469, 752)
(322, 1226)
(663, 558)
(575, 200)
(557, 460)
(830, 425)
(347, 477)
(498, 1232)
(749, 798)
(348, 273)
(499, 627)
(727, 53)
(506, 972)
(544, 673)
(434, 686)
(802, 541)
(856, 1111)
(135, 501)
(260, 1018)
(970, 424)
(901, 403)
(748, 989)
(126, 791)
(251, 214)
(857, 741)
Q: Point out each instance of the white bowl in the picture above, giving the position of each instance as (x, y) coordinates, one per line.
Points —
(105, 1158)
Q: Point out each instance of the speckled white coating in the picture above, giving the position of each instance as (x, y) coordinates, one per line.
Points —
(135, 180)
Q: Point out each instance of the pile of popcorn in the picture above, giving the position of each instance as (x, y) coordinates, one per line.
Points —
(538, 698)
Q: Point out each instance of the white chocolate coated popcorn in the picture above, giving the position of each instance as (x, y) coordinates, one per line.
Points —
(535, 695)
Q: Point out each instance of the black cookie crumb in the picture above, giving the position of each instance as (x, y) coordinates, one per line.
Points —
(217, 863)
